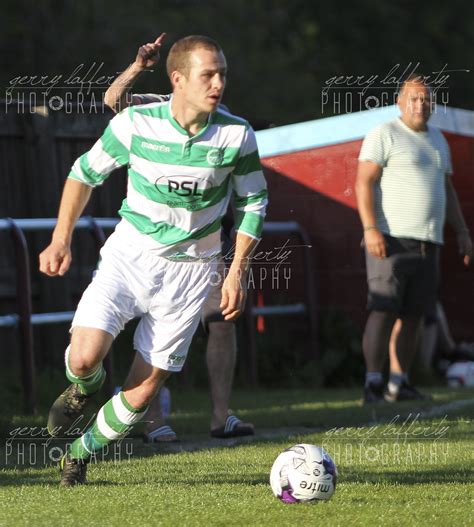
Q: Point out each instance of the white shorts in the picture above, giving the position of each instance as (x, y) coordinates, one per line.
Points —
(168, 296)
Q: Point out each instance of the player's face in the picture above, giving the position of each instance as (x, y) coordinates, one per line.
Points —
(415, 105)
(204, 84)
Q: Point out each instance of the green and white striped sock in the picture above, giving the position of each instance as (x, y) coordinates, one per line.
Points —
(114, 420)
(89, 384)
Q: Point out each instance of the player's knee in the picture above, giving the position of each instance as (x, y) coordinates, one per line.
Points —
(81, 365)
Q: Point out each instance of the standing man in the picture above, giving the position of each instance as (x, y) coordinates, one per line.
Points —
(185, 158)
(221, 350)
(404, 193)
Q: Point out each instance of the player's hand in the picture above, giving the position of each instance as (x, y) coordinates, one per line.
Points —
(375, 243)
(55, 259)
(465, 246)
(149, 54)
(234, 293)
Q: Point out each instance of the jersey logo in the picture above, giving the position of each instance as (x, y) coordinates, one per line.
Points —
(183, 191)
(156, 148)
(215, 156)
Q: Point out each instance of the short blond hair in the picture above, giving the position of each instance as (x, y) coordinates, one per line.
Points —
(178, 57)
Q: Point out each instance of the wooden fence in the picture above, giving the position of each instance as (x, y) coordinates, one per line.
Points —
(37, 150)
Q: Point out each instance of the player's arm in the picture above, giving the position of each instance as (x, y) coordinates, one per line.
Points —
(250, 199)
(56, 258)
(368, 173)
(455, 218)
(234, 288)
(116, 97)
(91, 169)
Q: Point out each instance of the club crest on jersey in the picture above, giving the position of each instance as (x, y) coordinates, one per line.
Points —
(215, 156)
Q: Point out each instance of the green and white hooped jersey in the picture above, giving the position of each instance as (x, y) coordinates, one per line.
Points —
(179, 186)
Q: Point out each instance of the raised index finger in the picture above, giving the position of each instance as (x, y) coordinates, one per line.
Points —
(160, 39)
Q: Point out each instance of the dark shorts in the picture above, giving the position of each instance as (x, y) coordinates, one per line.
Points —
(406, 281)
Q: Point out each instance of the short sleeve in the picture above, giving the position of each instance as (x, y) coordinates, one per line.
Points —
(375, 147)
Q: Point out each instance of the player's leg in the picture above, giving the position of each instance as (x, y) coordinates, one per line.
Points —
(156, 429)
(221, 353)
(177, 312)
(86, 373)
(106, 305)
(115, 419)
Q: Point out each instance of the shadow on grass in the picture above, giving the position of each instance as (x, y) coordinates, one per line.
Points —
(351, 470)
(295, 421)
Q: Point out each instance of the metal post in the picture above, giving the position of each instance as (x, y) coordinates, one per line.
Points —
(23, 294)
(311, 296)
(251, 339)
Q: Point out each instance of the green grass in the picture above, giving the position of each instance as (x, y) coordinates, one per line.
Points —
(394, 468)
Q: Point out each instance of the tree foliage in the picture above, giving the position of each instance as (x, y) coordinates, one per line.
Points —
(280, 53)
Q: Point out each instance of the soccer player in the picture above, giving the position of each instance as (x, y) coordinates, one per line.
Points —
(221, 347)
(186, 158)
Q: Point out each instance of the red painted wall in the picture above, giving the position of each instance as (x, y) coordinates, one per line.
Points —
(316, 188)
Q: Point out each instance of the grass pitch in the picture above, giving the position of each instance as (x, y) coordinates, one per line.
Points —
(398, 465)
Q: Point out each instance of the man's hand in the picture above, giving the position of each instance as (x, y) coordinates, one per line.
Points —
(149, 54)
(465, 246)
(55, 259)
(375, 243)
(234, 293)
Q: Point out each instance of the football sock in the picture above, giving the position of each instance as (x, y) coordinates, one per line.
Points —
(89, 384)
(373, 377)
(114, 420)
(395, 381)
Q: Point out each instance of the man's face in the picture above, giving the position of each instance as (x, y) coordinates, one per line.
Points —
(204, 82)
(415, 105)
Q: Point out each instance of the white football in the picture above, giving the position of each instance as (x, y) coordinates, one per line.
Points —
(460, 374)
(302, 474)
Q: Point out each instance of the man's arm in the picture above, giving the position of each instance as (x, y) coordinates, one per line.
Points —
(455, 218)
(368, 173)
(56, 258)
(116, 97)
(234, 288)
(91, 169)
(250, 200)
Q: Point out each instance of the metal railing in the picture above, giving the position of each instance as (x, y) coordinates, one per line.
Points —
(308, 308)
(24, 319)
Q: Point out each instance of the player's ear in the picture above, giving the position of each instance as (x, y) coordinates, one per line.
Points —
(176, 79)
